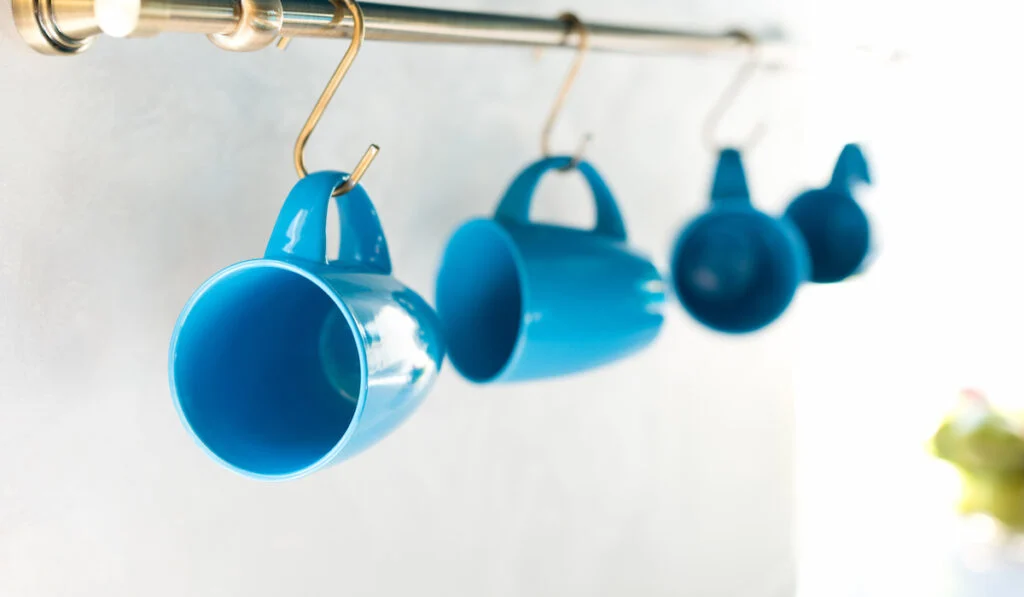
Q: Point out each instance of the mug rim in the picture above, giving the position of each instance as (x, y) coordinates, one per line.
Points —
(864, 224)
(785, 230)
(517, 349)
(262, 262)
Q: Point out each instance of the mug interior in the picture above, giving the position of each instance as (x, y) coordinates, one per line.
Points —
(735, 271)
(267, 370)
(480, 299)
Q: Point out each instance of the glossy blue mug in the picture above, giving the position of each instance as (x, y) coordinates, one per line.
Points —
(521, 301)
(734, 268)
(282, 365)
(833, 225)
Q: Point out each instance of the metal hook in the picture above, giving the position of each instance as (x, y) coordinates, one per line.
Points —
(358, 32)
(573, 23)
(742, 77)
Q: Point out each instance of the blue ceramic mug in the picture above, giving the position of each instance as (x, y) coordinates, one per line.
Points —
(833, 225)
(520, 300)
(736, 269)
(282, 365)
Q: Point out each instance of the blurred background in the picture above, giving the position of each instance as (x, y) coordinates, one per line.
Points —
(794, 461)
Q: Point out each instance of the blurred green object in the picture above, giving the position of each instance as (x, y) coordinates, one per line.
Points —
(999, 496)
(987, 447)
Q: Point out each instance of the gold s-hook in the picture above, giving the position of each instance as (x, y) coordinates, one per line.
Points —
(573, 23)
(724, 102)
(358, 32)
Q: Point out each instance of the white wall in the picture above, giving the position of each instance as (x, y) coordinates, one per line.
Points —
(883, 359)
(131, 173)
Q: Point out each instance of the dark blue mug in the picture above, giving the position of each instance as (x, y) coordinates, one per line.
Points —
(833, 225)
(736, 269)
(282, 365)
(520, 300)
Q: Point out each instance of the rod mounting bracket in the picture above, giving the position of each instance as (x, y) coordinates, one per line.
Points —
(37, 23)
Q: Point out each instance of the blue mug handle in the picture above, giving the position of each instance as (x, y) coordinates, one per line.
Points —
(515, 205)
(851, 168)
(300, 231)
(730, 183)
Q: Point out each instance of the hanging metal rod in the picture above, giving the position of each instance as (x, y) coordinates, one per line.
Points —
(69, 26)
